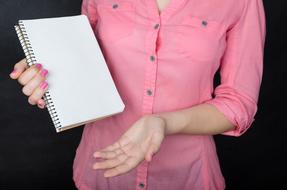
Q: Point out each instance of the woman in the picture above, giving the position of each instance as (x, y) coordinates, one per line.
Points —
(163, 57)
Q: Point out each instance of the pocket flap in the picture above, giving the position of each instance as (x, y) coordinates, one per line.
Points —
(117, 5)
(201, 23)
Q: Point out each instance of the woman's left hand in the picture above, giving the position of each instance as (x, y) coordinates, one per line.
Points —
(139, 142)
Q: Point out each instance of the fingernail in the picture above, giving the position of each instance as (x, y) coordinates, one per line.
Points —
(38, 66)
(13, 72)
(43, 85)
(96, 154)
(44, 72)
(41, 106)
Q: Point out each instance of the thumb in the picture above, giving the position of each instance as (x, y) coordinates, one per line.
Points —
(151, 150)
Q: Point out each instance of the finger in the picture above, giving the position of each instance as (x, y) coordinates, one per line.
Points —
(110, 154)
(154, 146)
(112, 147)
(120, 143)
(30, 87)
(124, 167)
(18, 69)
(150, 152)
(107, 154)
(41, 104)
(29, 73)
(110, 163)
(38, 93)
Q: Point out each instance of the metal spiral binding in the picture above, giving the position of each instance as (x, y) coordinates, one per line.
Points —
(31, 60)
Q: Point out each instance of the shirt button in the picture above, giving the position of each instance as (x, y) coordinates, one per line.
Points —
(149, 92)
(204, 23)
(141, 185)
(152, 58)
(156, 26)
(115, 6)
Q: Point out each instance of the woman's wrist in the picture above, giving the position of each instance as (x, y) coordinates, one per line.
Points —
(163, 122)
(167, 122)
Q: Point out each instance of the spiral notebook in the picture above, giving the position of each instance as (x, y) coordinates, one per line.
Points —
(81, 88)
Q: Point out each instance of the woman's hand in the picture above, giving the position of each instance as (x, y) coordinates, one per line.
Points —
(33, 81)
(139, 142)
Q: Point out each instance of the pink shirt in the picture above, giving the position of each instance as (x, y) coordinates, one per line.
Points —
(166, 62)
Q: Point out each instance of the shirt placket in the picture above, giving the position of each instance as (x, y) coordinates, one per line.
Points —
(150, 69)
(149, 89)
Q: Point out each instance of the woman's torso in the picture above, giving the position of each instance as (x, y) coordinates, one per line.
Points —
(159, 63)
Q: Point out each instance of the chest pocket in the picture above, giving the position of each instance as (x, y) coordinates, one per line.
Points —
(116, 20)
(199, 39)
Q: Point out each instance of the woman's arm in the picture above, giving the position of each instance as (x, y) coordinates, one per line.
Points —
(200, 119)
(232, 110)
(144, 137)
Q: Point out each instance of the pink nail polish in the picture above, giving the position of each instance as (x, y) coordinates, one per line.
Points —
(43, 85)
(96, 155)
(38, 66)
(44, 72)
(13, 72)
(41, 105)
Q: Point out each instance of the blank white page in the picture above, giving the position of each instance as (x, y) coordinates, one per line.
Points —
(80, 84)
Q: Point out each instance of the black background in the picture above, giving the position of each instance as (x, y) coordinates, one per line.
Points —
(34, 156)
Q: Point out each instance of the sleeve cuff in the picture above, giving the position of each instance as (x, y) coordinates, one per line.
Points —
(240, 126)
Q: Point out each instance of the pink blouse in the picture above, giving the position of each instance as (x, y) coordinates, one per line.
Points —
(166, 62)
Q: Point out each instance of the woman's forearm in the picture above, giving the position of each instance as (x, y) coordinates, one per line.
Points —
(202, 119)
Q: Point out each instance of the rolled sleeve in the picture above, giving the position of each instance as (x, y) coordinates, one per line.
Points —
(241, 68)
(89, 9)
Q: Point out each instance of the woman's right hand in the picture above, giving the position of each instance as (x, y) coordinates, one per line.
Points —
(33, 81)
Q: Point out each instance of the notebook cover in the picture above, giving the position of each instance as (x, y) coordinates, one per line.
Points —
(81, 88)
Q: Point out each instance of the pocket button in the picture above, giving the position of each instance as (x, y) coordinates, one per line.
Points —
(115, 6)
(116, 21)
(199, 38)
